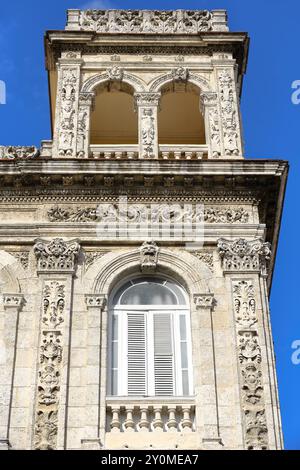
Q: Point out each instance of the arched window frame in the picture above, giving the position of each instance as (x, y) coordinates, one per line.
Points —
(175, 313)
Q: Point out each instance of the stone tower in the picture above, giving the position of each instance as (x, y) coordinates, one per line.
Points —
(138, 246)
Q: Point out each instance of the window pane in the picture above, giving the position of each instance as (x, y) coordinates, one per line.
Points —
(114, 386)
(148, 294)
(115, 354)
(182, 327)
(184, 358)
(114, 327)
(185, 382)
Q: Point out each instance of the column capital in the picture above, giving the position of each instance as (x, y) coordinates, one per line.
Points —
(98, 301)
(56, 256)
(204, 300)
(147, 99)
(244, 255)
(13, 301)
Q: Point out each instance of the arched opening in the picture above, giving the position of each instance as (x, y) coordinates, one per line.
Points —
(113, 119)
(180, 120)
(150, 339)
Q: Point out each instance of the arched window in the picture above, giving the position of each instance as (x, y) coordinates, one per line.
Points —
(179, 119)
(113, 119)
(150, 344)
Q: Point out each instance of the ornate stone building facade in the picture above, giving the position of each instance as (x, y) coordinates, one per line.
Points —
(138, 245)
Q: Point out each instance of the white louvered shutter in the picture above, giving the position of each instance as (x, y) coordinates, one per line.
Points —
(163, 354)
(136, 354)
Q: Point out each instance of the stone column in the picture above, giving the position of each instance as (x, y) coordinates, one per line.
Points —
(95, 389)
(67, 100)
(231, 143)
(56, 267)
(243, 263)
(12, 305)
(86, 103)
(210, 111)
(207, 398)
(147, 106)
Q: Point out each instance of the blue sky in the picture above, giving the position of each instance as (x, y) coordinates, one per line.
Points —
(271, 127)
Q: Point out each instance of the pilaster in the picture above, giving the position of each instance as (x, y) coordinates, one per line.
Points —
(147, 107)
(56, 265)
(67, 104)
(12, 304)
(243, 264)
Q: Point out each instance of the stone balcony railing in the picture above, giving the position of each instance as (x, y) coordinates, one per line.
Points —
(166, 152)
(147, 21)
(156, 414)
(108, 152)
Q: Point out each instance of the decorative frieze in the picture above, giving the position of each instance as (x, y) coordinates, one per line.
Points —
(96, 301)
(149, 256)
(54, 304)
(209, 106)
(18, 152)
(159, 212)
(92, 256)
(147, 21)
(56, 255)
(244, 255)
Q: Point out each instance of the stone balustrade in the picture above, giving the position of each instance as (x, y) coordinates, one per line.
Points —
(150, 415)
(166, 152)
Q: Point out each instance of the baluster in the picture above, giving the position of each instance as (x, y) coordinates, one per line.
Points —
(129, 422)
(177, 155)
(115, 422)
(172, 422)
(144, 422)
(107, 155)
(186, 422)
(158, 424)
(165, 155)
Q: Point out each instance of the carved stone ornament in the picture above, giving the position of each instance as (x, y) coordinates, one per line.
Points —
(148, 133)
(149, 256)
(95, 301)
(146, 21)
(53, 304)
(180, 74)
(46, 430)
(244, 303)
(15, 152)
(115, 73)
(15, 301)
(231, 131)
(256, 430)
(56, 255)
(147, 99)
(204, 300)
(22, 257)
(249, 349)
(252, 385)
(244, 255)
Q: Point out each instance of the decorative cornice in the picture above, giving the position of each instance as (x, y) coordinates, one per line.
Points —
(244, 255)
(57, 255)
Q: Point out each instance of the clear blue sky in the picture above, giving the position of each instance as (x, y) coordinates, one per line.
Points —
(271, 127)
